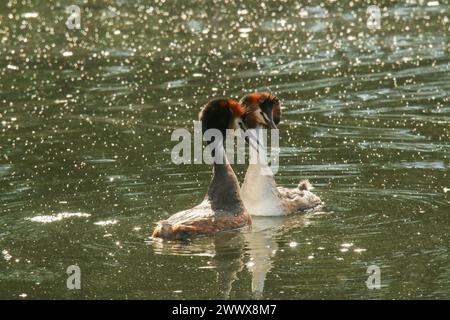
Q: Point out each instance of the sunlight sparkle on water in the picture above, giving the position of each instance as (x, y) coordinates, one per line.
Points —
(58, 217)
(106, 222)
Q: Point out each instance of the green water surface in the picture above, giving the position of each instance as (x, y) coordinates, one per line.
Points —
(85, 168)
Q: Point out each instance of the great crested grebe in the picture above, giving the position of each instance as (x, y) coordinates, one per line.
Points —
(259, 192)
(222, 209)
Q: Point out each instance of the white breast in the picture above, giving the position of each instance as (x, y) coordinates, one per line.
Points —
(259, 192)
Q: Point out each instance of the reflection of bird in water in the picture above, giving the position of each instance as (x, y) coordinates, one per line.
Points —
(232, 251)
(228, 260)
(226, 250)
(262, 247)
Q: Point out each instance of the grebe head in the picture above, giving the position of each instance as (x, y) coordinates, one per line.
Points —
(262, 109)
(222, 114)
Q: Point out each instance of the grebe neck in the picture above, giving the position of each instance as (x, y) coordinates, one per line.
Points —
(259, 191)
(224, 192)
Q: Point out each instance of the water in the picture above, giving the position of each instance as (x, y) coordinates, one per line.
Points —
(85, 169)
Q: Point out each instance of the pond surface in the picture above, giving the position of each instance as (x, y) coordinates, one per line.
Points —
(85, 167)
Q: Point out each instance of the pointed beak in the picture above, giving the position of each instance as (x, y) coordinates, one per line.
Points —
(253, 141)
(272, 124)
